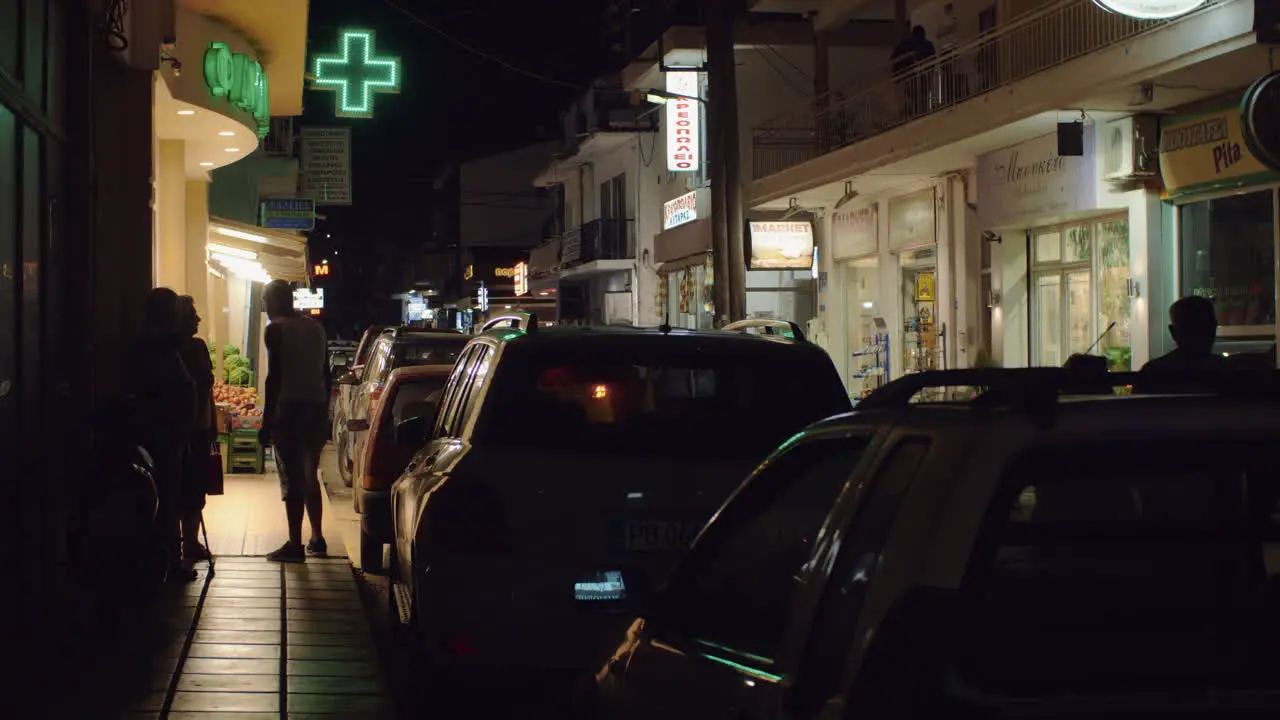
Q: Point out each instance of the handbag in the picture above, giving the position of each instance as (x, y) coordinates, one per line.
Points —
(215, 466)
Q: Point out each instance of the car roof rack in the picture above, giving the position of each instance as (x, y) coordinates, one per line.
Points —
(525, 322)
(775, 328)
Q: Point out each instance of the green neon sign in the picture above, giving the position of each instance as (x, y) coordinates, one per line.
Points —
(241, 80)
(356, 74)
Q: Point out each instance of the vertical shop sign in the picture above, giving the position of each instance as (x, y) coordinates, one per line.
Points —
(326, 165)
(683, 120)
(522, 278)
(912, 220)
(241, 80)
(855, 233)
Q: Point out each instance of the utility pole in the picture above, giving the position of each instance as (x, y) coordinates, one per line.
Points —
(725, 154)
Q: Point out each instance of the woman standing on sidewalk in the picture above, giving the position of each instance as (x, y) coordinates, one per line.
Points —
(195, 469)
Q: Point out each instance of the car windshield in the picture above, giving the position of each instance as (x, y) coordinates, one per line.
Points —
(690, 399)
(1125, 567)
(435, 351)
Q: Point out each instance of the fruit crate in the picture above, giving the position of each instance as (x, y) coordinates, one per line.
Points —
(245, 453)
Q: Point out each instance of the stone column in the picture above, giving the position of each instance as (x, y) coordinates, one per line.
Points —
(196, 194)
(170, 239)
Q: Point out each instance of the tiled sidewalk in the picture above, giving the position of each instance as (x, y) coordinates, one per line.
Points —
(267, 641)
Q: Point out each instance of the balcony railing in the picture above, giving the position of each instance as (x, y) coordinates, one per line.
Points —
(604, 239)
(1028, 45)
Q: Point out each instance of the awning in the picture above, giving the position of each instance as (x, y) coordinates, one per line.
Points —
(683, 263)
(681, 241)
(282, 254)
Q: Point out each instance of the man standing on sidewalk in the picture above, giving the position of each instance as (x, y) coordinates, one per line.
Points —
(295, 419)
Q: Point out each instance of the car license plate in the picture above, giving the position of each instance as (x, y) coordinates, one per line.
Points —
(659, 535)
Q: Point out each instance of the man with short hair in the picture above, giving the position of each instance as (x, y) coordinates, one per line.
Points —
(1193, 323)
(296, 415)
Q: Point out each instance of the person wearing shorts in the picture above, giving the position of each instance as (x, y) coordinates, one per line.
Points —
(295, 417)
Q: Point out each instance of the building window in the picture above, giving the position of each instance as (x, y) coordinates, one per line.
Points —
(1228, 255)
(1080, 286)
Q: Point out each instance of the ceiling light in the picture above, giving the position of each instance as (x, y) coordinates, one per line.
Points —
(233, 252)
(231, 149)
(227, 133)
(186, 112)
(206, 164)
(240, 234)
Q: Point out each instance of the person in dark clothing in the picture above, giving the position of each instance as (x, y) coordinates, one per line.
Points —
(195, 476)
(1194, 327)
(912, 51)
(296, 416)
(167, 409)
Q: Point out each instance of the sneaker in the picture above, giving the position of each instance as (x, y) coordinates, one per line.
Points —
(288, 553)
(318, 547)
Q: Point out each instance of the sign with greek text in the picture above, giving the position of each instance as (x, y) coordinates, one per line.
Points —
(683, 118)
(326, 165)
(1204, 151)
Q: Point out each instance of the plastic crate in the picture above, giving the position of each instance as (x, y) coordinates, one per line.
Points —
(244, 452)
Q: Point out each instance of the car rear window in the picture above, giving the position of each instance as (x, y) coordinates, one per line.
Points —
(414, 398)
(442, 351)
(1127, 567)
(687, 399)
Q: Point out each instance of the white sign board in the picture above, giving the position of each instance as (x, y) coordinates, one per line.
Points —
(855, 233)
(913, 220)
(679, 211)
(522, 278)
(304, 299)
(781, 245)
(1151, 9)
(326, 165)
(1023, 184)
(683, 120)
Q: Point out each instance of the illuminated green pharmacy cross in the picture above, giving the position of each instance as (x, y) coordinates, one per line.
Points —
(356, 75)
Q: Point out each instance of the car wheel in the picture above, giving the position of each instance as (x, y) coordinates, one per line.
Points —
(370, 553)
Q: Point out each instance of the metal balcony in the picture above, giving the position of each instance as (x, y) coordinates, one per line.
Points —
(1064, 31)
(604, 239)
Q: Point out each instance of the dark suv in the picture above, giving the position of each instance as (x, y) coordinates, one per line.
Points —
(561, 456)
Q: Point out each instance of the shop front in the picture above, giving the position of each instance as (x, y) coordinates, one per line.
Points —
(855, 249)
(1062, 258)
(686, 276)
(782, 271)
(1221, 205)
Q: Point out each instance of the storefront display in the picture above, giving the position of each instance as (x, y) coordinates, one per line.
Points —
(1225, 219)
(921, 330)
(690, 297)
(868, 337)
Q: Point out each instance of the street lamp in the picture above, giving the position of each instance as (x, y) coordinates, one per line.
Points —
(660, 97)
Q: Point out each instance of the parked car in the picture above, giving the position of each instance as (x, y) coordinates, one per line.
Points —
(1026, 552)
(341, 358)
(561, 453)
(410, 392)
(343, 383)
(393, 348)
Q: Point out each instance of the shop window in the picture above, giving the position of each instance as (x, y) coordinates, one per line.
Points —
(1228, 255)
(1080, 286)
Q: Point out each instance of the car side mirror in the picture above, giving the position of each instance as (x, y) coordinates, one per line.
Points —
(359, 425)
(412, 433)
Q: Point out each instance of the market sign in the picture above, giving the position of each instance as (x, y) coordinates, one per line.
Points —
(680, 211)
(241, 80)
(304, 299)
(1206, 150)
(786, 245)
(683, 120)
(522, 278)
(855, 233)
(288, 213)
(1150, 9)
(1260, 119)
(356, 74)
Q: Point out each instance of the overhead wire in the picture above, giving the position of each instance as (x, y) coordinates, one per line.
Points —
(462, 44)
(782, 74)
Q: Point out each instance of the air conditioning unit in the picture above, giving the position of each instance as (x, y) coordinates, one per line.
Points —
(1131, 148)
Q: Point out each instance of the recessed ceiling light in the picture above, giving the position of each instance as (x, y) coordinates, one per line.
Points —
(186, 112)
(206, 164)
(231, 149)
(227, 133)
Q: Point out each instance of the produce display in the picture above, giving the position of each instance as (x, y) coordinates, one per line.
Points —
(243, 400)
(236, 368)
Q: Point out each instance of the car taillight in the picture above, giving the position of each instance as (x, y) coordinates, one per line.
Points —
(468, 518)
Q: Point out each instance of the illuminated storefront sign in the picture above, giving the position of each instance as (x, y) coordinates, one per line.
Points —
(680, 210)
(1205, 150)
(288, 213)
(522, 278)
(1151, 9)
(781, 245)
(241, 80)
(356, 74)
(683, 120)
(506, 272)
(304, 299)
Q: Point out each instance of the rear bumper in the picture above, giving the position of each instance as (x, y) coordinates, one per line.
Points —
(495, 614)
(374, 507)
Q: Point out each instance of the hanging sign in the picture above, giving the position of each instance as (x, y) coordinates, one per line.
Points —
(781, 245)
(683, 120)
(1260, 119)
(522, 278)
(288, 213)
(1206, 150)
(356, 74)
(679, 211)
(1150, 9)
(241, 80)
(855, 233)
